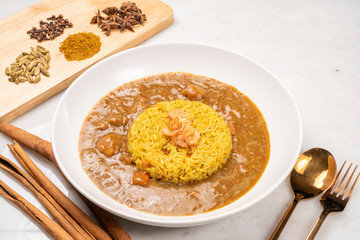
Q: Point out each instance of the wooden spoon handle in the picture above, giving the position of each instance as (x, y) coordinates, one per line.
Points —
(284, 220)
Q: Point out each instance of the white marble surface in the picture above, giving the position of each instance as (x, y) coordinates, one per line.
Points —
(312, 46)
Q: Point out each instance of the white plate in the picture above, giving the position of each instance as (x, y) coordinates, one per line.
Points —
(265, 90)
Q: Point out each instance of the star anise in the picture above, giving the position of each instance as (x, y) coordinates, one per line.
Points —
(127, 23)
(122, 18)
(110, 10)
(113, 18)
(108, 26)
(141, 18)
(128, 6)
(97, 19)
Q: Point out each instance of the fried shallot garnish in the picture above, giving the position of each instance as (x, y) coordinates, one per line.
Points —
(179, 129)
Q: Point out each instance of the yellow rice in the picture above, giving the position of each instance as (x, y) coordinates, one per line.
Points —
(146, 142)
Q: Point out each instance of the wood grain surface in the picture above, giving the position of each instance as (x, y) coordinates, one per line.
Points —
(16, 99)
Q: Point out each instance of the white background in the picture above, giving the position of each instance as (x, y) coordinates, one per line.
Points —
(312, 46)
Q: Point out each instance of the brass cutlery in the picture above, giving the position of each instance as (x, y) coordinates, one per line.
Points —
(313, 173)
(335, 198)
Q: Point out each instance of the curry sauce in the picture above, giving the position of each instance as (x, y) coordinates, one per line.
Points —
(107, 161)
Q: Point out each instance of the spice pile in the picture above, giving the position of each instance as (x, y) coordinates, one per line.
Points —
(50, 30)
(125, 17)
(80, 46)
(29, 66)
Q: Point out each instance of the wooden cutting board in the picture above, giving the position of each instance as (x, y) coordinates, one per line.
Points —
(16, 99)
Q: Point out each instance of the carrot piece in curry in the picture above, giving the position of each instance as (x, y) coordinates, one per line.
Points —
(141, 179)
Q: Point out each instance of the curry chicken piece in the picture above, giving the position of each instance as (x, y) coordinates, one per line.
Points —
(110, 144)
(101, 126)
(193, 92)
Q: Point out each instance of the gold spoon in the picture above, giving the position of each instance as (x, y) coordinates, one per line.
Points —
(313, 173)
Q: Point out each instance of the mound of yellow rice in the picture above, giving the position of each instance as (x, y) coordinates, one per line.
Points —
(168, 162)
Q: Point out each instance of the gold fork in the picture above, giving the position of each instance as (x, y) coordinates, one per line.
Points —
(335, 198)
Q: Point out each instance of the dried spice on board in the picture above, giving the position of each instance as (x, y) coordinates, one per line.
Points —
(50, 30)
(125, 17)
(28, 66)
(80, 46)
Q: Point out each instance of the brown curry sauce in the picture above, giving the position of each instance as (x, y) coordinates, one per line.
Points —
(104, 153)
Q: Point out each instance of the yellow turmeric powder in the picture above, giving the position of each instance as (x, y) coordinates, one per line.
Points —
(80, 46)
